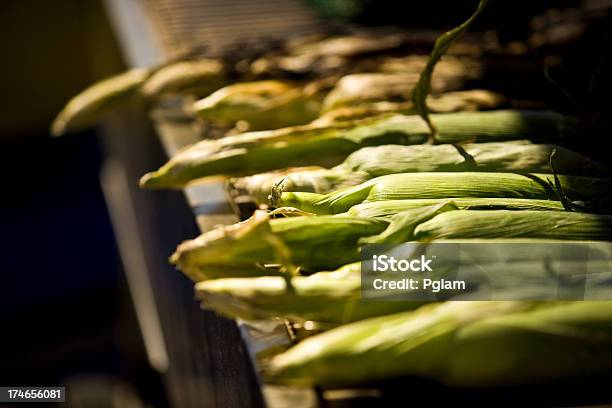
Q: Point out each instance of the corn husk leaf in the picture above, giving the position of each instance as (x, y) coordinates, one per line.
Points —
(389, 208)
(255, 152)
(407, 186)
(195, 77)
(370, 162)
(441, 46)
(469, 100)
(356, 89)
(91, 105)
(261, 105)
(242, 249)
(562, 225)
(325, 297)
(466, 344)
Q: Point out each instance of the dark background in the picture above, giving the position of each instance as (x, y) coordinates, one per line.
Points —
(66, 312)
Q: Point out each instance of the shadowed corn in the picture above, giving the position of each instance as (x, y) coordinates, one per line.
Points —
(262, 105)
(196, 77)
(89, 107)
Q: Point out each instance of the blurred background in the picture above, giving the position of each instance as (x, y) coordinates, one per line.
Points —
(69, 316)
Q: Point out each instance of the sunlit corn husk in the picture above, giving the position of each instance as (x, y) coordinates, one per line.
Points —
(242, 249)
(259, 186)
(562, 225)
(308, 242)
(356, 89)
(256, 152)
(471, 100)
(261, 105)
(465, 344)
(325, 297)
(406, 186)
(450, 66)
(195, 77)
(369, 162)
(388, 208)
(90, 106)
(514, 156)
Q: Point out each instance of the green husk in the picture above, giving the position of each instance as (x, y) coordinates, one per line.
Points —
(312, 243)
(405, 186)
(369, 162)
(195, 77)
(241, 249)
(388, 208)
(465, 344)
(562, 225)
(317, 180)
(256, 152)
(325, 297)
(91, 105)
(441, 46)
(261, 105)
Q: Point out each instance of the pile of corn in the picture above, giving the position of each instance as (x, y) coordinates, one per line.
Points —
(343, 162)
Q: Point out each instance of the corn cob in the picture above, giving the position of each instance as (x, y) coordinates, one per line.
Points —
(370, 162)
(356, 89)
(405, 186)
(238, 250)
(391, 207)
(507, 224)
(466, 344)
(262, 105)
(312, 243)
(256, 152)
(470, 100)
(325, 297)
(88, 107)
(197, 77)
(317, 180)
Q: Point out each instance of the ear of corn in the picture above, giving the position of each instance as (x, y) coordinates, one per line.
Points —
(197, 77)
(467, 344)
(369, 162)
(314, 180)
(388, 208)
(519, 156)
(256, 152)
(241, 249)
(470, 100)
(357, 89)
(507, 224)
(88, 107)
(325, 297)
(263, 105)
(444, 185)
